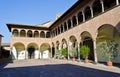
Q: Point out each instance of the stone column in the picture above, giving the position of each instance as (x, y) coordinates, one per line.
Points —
(68, 49)
(45, 34)
(83, 16)
(18, 33)
(95, 52)
(117, 2)
(51, 53)
(76, 19)
(102, 5)
(71, 23)
(25, 53)
(91, 11)
(79, 52)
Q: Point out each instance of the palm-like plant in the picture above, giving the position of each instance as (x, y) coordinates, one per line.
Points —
(64, 52)
(84, 51)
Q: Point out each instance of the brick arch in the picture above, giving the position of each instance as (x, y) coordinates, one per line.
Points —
(19, 44)
(32, 44)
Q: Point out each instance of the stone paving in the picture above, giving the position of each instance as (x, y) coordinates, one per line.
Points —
(56, 68)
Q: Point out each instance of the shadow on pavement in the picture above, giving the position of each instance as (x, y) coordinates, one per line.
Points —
(57, 70)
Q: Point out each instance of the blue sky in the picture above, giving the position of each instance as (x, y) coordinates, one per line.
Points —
(29, 12)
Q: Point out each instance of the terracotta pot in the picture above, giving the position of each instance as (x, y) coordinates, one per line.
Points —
(73, 59)
(109, 63)
(64, 58)
(86, 61)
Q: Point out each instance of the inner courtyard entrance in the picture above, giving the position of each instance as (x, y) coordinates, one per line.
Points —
(89, 42)
(31, 51)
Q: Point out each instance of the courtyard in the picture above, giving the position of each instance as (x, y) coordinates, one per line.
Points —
(56, 68)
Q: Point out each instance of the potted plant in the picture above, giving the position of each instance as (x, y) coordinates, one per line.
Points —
(73, 53)
(84, 51)
(64, 53)
(108, 50)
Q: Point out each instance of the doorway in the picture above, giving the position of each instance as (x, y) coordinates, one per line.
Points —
(89, 42)
(31, 51)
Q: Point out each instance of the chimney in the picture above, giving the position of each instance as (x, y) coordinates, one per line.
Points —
(58, 15)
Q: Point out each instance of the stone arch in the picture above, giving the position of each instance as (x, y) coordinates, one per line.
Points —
(97, 7)
(87, 40)
(109, 4)
(47, 34)
(32, 48)
(73, 52)
(15, 33)
(18, 51)
(87, 12)
(80, 17)
(58, 29)
(73, 40)
(65, 26)
(61, 28)
(42, 34)
(22, 33)
(29, 33)
(45, 50)
(69, 24)
(74, 20)
(36, 34)
(106, 33)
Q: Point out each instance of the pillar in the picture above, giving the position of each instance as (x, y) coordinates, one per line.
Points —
(68, 49)
(76, 19)
(91, 12)
(71, 23)
(102, 5)
(95, 52)
(78, 51)
(83, 16)
(117, 2)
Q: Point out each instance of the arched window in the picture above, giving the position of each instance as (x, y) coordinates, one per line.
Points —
(22, 33)
(87, 13)
(48, 35)
(65, 26)
(54, 33)
(15, 33)
(36, 34)
(97, 7)
(29, 33)
(58, 30)
(74, 21)
(69, 24)
(109, 4)
(42, 34)
(61, 28)
(80, 17)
